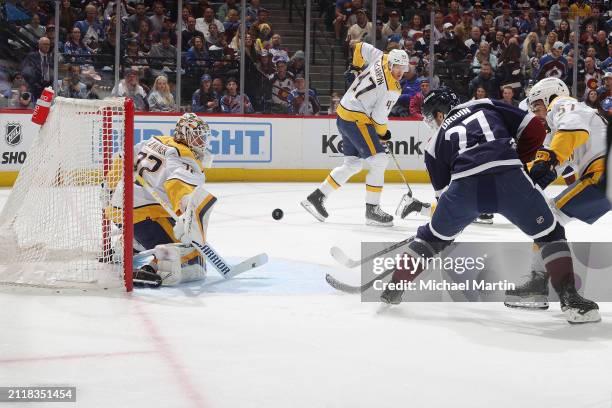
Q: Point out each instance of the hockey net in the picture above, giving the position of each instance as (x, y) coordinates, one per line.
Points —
(63, 225)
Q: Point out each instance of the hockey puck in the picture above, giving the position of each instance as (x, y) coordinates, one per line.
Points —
(277, 214)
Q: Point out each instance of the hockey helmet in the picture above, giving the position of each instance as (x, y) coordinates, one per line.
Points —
(192, 131)
(546, 90)
(399, 57)
(442, 100)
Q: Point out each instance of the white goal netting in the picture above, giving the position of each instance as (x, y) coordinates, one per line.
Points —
(58, 227)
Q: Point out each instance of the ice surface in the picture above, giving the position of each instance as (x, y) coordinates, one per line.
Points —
(278, 336)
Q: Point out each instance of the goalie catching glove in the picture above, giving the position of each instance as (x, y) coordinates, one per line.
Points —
(543, 170)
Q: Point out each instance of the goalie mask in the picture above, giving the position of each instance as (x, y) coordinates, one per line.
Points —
(192, 131)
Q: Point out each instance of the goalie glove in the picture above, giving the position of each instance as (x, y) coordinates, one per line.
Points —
(179, 228)
(182, 227)
(191, 225)
(409, 205)
(543, 170)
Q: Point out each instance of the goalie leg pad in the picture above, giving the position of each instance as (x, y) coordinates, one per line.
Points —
(179, 263)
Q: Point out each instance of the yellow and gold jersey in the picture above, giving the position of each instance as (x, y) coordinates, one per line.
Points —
(578, 135)
(171, 169)
(373, 93)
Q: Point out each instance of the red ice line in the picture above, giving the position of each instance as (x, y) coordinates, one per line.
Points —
(72, 356)
(164, 350)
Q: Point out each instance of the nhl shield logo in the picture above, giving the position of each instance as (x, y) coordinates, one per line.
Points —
(13, 134)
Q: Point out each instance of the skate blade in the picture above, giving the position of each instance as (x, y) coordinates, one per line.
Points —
(378, 223)
(388, 302)
(529, 303)
(483, 222)
(573, 316)
(310, 208)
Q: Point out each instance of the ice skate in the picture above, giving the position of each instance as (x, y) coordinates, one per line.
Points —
(314, 205)
(532, 294)
(578, 309)
(375, 216)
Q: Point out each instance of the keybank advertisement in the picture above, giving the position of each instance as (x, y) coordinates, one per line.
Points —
(322, 144)
(240, 142)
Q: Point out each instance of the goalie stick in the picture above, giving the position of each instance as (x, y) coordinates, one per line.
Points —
(225, 269)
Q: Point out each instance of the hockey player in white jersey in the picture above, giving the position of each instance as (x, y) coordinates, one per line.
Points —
(173, 166)
(363, 114)
(577, 140)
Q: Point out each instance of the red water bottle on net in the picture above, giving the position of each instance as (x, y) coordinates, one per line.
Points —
(43, 105)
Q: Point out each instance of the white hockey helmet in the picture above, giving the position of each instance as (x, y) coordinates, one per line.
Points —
(399, 57)
(192, 131)
(546, 90)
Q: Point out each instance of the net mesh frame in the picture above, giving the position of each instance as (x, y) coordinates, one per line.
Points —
(64, 224)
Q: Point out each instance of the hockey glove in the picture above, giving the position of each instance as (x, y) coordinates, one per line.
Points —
(182, 227)
(350, 74)
(355, 68)
(386, 137)
(543, 169)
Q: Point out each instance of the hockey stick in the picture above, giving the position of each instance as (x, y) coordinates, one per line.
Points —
(225, 269)
(341, 257)
(346, 288)
(406, 197)
(401, 172)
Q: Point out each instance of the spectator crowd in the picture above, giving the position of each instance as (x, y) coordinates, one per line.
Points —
(209, 47)
(481, 48)
(485, 48)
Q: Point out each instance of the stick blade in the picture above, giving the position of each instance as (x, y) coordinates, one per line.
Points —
(342, 287)
(340, 256)
(246, 265)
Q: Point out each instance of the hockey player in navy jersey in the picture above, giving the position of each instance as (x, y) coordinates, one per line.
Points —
(475, 161)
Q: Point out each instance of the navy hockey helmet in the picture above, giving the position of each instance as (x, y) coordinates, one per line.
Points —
(442, 100)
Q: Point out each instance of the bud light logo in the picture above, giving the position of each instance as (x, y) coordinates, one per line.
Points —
(241, 142)
(231, 142)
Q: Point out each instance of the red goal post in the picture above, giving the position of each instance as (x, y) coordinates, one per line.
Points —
(67, 222)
